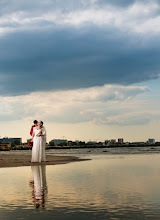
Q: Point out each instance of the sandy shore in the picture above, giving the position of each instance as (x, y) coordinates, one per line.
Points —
(17, 160)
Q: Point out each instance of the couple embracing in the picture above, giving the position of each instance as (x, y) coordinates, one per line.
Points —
(38, 133)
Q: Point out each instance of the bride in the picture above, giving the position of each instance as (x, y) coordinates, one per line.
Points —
(39, 142)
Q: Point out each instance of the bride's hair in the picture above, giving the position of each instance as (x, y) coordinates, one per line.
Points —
(41, 124)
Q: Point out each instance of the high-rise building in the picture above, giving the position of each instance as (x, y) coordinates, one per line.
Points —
(120, 140)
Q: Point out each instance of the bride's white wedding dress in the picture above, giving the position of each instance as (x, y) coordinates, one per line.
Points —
(38, 150)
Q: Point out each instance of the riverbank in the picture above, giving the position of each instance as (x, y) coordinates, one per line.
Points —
(25, 147)
(18, 160)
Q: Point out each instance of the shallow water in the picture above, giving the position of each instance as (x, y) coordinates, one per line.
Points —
(107, 187)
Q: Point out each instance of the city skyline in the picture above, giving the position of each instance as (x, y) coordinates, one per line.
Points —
(119, 139)
(89, 70)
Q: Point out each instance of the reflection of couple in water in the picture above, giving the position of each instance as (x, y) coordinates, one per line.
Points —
(39, 185)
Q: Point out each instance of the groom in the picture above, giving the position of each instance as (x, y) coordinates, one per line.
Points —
(35, 122)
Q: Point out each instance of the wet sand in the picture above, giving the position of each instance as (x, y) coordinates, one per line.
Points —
(18, 160)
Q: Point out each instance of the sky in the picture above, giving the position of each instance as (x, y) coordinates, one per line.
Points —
(89, 69)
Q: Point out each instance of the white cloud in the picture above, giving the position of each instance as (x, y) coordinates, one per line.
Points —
(101, 105)
(141, 17)
(132, 118)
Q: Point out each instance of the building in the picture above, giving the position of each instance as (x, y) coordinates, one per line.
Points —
(151, 141)
(113, 141)
(120, 140)
(4, 146)
(91, 143)
(106, 142)
(137, 143)
(11, 140)
(59, 141)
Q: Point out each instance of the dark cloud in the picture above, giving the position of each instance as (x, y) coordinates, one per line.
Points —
(121, 3)
(124, 3)
(37, 6)
(60, 56)
(66, 59)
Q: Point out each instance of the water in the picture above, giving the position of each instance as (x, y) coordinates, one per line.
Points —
(97, 151)
(110, 186)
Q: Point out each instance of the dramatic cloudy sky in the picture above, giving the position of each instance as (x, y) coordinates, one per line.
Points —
(88, 69)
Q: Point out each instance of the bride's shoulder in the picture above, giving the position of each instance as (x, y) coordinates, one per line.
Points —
(34, 129)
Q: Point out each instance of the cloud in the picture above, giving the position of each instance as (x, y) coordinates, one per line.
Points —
(133, 118)
(125, 15)
(65, 59)
(84, 44)
(110, 105)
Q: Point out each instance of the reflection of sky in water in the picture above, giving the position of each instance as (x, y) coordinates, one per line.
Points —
(113, 187)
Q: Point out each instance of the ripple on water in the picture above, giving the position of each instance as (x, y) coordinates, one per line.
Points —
(109, 186)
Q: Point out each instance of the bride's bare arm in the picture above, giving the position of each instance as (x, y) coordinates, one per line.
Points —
(43, 132)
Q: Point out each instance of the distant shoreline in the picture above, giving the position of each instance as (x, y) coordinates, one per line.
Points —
(26, 147)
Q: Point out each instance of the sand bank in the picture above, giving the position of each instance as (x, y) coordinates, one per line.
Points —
(17, 160)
